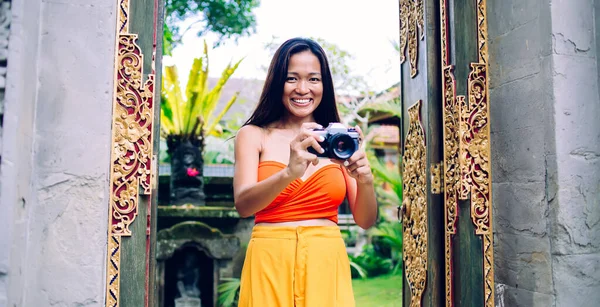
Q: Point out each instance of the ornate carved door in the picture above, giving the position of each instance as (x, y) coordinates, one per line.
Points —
(132, 206)
(446, 210)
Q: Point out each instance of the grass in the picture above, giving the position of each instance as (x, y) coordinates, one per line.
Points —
(380, 291)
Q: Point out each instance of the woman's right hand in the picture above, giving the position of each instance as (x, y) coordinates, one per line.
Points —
(300, 158)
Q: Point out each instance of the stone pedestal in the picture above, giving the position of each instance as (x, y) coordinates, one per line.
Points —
(188, 302)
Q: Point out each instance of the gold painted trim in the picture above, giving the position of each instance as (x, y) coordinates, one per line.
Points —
(411, 21)
(131, 173)
(112, 274)
(450, 136)
(451, 172)
(123, 15)
(482, 32)
(488, 239)
(414, 203)
(444, 33)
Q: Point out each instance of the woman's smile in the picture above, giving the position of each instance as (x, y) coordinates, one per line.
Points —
(301, 102)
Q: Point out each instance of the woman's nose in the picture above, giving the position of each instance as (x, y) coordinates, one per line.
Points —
(302, 88)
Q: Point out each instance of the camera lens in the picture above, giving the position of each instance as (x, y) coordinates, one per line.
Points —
(342, 146)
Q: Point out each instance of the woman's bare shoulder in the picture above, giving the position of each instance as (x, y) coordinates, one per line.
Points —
(249, 130)
(249, 136)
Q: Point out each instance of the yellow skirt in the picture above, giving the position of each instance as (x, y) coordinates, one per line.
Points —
(296, 267)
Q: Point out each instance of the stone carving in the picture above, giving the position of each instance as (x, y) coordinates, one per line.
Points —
(186, 171)
(188, 276)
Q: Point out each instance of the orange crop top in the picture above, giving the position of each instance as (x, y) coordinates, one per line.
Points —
(316, 198)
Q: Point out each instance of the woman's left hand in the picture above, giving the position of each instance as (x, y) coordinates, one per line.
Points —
(357, 165)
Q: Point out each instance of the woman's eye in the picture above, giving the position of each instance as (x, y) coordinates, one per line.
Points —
(314, 79)
(289, 79)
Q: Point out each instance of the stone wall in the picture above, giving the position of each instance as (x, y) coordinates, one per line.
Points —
(55, 153)
(545, 105)
(5, 18)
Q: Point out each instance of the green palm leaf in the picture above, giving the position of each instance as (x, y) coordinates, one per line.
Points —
(228, 291)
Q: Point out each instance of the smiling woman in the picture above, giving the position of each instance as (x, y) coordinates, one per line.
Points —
(294, 195)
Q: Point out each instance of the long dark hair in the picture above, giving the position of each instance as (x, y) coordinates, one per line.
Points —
(270, 106)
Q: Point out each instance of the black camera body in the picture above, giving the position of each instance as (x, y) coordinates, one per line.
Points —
(339, 142)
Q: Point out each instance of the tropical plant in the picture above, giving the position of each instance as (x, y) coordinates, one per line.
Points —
(391, 107)
(385, 175)
(228, 292)
(191, 116)
(186, 119)
(369, 263)
(356, 269)
(390, 234)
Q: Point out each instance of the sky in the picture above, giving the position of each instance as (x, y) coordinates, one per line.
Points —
(362, 28)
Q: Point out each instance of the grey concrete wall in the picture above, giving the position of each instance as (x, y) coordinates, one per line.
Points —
(18, 134)
(575, 205)
(545, 134)
(55, 158)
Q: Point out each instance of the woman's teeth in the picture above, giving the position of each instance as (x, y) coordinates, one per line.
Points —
(301, 101)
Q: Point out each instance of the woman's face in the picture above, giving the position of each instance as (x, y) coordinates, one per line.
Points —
(303, 87)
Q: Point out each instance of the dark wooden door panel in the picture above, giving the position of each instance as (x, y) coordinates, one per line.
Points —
(448, 248)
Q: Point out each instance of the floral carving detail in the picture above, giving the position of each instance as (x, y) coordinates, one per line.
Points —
(415, 206)
(132, 133)
(411, 21)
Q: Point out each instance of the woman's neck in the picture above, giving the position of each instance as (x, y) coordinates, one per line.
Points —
(294, 123)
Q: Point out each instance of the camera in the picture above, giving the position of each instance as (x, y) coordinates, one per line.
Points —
(339, 143)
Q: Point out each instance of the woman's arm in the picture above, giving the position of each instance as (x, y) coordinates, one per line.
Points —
(249, 195)
(361, 193)
(359, 187)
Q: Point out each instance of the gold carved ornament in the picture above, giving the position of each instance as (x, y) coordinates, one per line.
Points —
(414, 218)
(451, 171)
(131, 149)
(411, 21)
(475, 181)
(467, 150)
(479, 90)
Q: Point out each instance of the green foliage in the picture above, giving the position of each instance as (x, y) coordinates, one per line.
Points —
(356, 268)
(192, 115)
(390, 234)
(370, 263)
(218, 151)
(391, 107)
(391, 176)
(228, 292)
(229, 19)
(344, 79)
